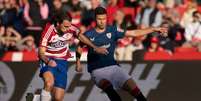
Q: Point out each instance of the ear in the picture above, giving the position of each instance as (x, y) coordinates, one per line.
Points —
(57, 24)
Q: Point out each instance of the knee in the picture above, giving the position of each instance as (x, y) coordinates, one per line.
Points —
(49, 85)
(58, 98)
(103, 84)
(129, 85)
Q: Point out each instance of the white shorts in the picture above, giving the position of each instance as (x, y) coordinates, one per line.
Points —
(114, 74)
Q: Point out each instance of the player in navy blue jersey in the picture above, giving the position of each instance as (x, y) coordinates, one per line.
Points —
(104, 69)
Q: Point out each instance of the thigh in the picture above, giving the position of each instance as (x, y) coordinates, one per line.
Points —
(60, 80)
(48, 77)
(119, 77)
(101, 74)
(60, 74)
(58, 94)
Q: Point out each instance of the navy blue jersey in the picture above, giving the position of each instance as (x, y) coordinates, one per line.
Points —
(107, 39)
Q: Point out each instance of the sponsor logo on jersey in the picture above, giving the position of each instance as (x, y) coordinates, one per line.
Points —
(58, 44)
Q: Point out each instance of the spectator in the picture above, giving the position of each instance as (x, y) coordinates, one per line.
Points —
(36, 13)
(193, 32)
(75, 12)
(26, 44)
(155, 45)
(2, 31)
(131, 3)
(149, 15)
(131, 48)
(88, 14)
(187, 16)
(119, 22)
(111, 8)
(18, 22)
(10, 38)
(9, 14)
(58, 6)
(124, 47)
(1, 5)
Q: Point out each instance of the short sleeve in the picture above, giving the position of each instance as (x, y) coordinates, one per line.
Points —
(119, 33)
(75, 29)
(46, 34)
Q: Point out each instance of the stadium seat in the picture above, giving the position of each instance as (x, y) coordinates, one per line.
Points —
(161, 55)
(185, 49)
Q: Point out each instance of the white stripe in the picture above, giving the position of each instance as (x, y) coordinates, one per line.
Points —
(75, 29)
(57, 49)
(49, 31)
(56, 55)
(17, 56)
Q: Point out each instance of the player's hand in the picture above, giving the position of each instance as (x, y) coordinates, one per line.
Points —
(52, 63)
(162, 30)
(101, 50)
(78, 67)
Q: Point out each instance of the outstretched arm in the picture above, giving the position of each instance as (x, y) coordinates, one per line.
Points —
(142, 32)
(78, 67)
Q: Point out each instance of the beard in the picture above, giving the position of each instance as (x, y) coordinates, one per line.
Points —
(101, 26)
(60, 33)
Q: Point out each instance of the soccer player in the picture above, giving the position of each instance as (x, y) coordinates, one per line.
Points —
(53, 54)
(105, 71)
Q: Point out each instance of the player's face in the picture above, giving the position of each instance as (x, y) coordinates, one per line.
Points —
(65, 25)
(101, 21)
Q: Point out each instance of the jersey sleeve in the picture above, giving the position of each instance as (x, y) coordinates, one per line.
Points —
(76, 30)
(46, 34)
(119, 33)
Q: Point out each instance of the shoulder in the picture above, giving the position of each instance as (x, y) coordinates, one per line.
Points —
(111, 28)
(89, 32)
(49, 25)
(48, 28)
(74, 28)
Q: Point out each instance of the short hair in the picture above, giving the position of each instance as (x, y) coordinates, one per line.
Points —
(195, 13)
(59, 17)
(100, 10)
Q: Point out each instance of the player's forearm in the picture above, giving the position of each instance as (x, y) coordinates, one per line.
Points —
(78, 53)
(86, 41)
(41, 55)
(139, 32)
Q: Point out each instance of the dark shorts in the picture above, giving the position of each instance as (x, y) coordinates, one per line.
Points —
(59, 72)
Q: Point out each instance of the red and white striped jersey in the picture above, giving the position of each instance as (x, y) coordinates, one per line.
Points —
(57, 46)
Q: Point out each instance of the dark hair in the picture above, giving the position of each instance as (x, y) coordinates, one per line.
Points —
(195, 13)
(100, 10)
(58, 17)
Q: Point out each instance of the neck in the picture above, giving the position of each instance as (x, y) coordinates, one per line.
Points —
(100, 30)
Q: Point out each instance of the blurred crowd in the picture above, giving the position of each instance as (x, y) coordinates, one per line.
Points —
(21, 22)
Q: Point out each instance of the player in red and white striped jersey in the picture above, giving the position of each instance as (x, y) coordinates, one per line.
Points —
(57, 45)
(53, 55)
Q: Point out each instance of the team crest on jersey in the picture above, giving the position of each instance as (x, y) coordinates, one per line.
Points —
(109, 35)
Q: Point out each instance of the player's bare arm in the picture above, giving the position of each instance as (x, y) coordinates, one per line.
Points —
(78, 67)
(44, 58)
(142, 32)
(86, 41)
